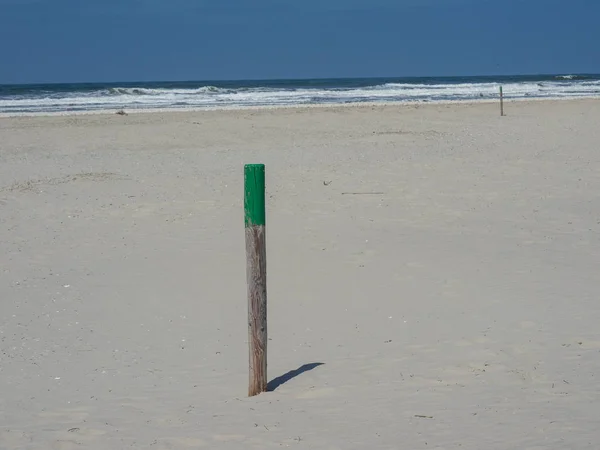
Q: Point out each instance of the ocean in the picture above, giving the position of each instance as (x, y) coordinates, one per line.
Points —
(81, 97)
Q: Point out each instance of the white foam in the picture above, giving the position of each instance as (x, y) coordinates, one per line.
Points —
(211, 96)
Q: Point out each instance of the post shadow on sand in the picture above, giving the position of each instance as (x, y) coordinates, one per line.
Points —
(276, 382)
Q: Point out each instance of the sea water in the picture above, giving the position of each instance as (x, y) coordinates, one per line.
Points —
(81, 97)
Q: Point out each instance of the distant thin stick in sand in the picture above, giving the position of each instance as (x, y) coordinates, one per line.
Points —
(256, 274)
(501, 102)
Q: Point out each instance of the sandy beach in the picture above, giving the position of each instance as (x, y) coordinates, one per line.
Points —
(432, 265)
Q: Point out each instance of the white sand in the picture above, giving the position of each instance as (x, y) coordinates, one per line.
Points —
(457, 309)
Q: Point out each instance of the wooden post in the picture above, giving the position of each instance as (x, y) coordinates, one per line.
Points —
(256, 275)
(501, 102)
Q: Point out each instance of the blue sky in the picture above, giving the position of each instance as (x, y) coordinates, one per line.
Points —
(143, 40)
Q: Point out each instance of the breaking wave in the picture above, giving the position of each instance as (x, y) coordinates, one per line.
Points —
(146, 91)
(65, 98)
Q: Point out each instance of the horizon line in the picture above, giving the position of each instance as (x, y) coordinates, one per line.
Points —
(233, 80)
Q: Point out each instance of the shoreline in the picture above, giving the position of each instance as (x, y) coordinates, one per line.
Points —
(356, 105)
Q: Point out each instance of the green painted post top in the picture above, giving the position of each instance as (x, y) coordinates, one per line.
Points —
(254, 194)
